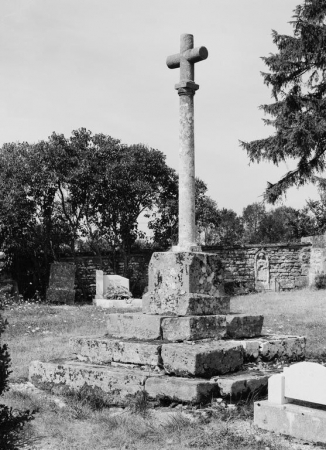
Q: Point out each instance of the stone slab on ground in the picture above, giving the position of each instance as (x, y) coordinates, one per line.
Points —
(103, 350)
(117, 383)
(194, 327)
(189, 390)
(185, 304)
(132, 303)
(290, 419)
(243, 325)
(134, 326)
(202, 359)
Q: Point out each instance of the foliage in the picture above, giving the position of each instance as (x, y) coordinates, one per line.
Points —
(11, 421)
(118, 292)
(297, 77)
(320, 281)
(282, 224)
(214, 226)
(86, 187)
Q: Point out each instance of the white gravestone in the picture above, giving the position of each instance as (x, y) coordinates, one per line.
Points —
(102, 284)
(296, 404)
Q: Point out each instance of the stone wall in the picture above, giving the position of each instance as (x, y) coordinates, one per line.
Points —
(265, 267)
(87, 264)
(247, 267)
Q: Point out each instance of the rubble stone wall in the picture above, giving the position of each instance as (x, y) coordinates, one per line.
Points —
(284, 266)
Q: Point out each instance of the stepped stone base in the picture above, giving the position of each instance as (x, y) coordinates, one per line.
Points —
(146, 326)
(103, 350)
(118, 384)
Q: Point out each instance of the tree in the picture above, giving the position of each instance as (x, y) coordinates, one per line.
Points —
(252, 217)
(297, 77)
(282, 224)
(214, 226)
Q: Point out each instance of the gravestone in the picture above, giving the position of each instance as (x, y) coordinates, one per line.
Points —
(296, 404)
(186, 345)
(103, 283)
(61, 283)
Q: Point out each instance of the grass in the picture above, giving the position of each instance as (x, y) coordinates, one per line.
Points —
(40, 331)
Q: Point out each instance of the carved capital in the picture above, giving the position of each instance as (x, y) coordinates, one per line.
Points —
(186, 91)
(187, 84)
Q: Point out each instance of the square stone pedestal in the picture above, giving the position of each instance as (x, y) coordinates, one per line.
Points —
(185, 283)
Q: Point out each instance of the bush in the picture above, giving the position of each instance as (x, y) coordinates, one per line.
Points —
(11, 421)
(320, 281)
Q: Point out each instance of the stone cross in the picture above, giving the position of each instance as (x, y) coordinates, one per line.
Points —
(187, 87)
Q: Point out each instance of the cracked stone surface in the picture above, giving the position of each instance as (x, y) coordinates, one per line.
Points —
(175, 276)
(133, 325)
(242, 325)
(103, 350)
(194, 327)
(202, 359)
(118, 383)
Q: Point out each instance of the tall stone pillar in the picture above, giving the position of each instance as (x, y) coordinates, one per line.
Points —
(186, 88)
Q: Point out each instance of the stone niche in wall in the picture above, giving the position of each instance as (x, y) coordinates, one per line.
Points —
(261, 268)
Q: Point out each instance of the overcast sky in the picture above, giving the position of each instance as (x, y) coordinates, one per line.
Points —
(100, 64)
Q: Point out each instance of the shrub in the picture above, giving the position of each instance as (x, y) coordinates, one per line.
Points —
(320, 281)
(11, 421)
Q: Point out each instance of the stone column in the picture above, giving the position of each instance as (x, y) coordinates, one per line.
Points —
(187, 87)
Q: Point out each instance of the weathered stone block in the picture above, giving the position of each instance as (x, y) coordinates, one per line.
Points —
(241, 325)
(193, 327)
(292, 347)
(105, 350)
(117, 383)
(177, 275)
(134, 326)
(242, 383)
(181, 389)
(270, 347)
(202, 359)
(185, 304)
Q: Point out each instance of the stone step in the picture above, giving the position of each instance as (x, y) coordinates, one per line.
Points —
(185, 304)
(202, 359)
(118, 384)
(145, 326)
(103, 350)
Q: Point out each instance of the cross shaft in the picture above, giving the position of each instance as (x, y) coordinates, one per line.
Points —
(187, 87)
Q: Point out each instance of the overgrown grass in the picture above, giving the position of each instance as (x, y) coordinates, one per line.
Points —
(39, 331)
(294, 312)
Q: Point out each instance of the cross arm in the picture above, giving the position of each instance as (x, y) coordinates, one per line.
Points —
(193, 55)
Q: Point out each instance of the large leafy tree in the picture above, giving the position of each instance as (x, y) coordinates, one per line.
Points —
(297, 76)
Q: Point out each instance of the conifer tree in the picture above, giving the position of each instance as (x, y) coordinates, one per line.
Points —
(297, 77)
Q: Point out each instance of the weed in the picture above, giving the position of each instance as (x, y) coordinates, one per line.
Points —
(139, 404)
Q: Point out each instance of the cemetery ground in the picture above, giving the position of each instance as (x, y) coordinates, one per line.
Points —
(39, 331)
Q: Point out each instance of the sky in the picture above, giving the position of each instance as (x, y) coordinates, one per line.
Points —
(100, 64)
